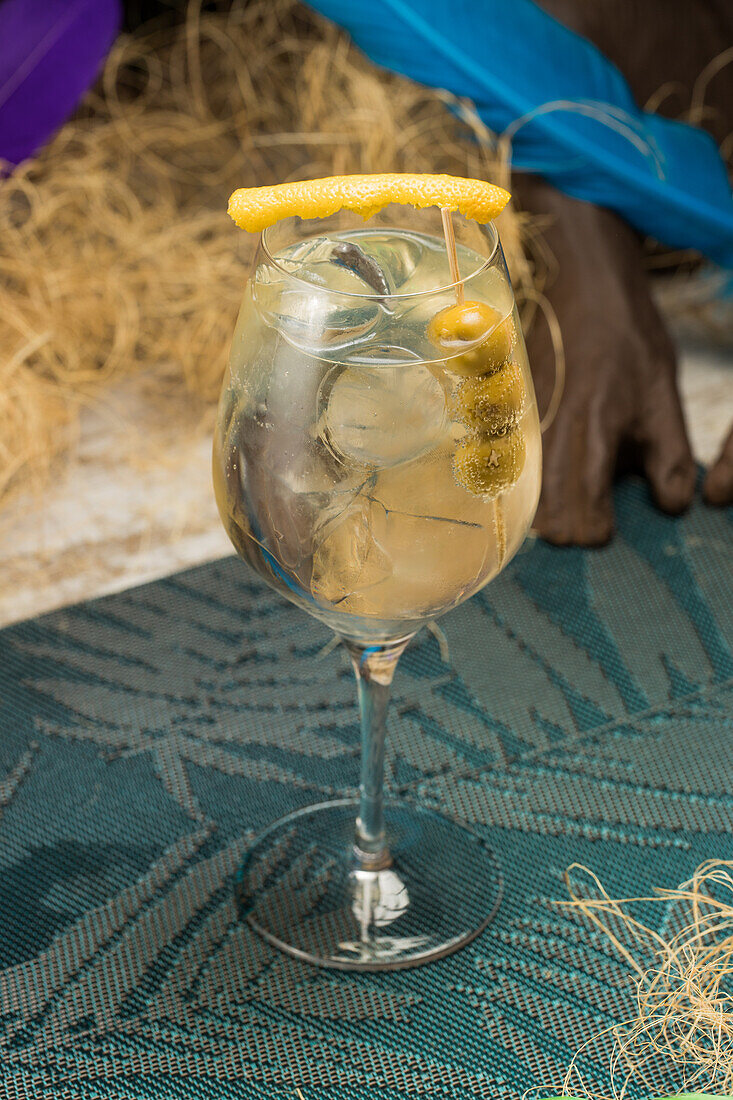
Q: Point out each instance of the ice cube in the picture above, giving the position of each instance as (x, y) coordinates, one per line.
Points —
(305, 254)
(397, 256)
(348, 561)
(321, 474)
(336, 265)
(435, 562)
(385, 415)
(349, 255)
(441, 541)
(415, 546)
(321, 483)
(297, 298)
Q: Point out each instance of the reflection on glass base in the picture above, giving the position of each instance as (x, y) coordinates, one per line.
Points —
(301, 888)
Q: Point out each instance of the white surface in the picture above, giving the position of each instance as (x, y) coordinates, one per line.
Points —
(706, 386)
(137, 503)
(112, 521)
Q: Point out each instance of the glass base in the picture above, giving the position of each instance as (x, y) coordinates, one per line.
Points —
(301, 887)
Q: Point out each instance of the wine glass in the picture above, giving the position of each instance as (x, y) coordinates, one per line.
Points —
(377, 460)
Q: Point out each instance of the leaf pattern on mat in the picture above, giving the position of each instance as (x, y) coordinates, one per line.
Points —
(583, 713)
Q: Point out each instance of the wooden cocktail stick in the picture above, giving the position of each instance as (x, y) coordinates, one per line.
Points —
(499, 530)
(450, 248)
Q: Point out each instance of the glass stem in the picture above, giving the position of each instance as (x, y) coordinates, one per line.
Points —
(374, 666)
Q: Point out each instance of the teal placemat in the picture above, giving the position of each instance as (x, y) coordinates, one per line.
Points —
(582, 712)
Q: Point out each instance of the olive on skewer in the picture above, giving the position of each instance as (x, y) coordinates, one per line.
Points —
(492, 403)
(490, 398)
(488, 465)
(455, 326)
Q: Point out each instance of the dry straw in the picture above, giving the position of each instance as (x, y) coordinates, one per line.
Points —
(116, 253)
(680, 1035)
(117, 258)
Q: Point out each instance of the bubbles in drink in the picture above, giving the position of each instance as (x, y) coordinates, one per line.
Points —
(492, 403)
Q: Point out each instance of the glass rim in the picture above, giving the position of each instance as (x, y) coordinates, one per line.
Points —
(488, 227)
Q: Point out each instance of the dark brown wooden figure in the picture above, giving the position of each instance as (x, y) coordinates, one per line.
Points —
(621, 407)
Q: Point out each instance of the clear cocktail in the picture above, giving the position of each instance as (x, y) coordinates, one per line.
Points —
(377, 460)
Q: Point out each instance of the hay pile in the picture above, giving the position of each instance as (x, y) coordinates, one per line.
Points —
(681, 1029)
(117, 256)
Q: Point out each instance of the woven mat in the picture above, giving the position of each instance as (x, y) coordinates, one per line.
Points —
(582, 712)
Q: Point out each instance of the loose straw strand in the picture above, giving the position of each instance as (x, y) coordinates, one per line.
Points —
(683, 1022)
(558, 348)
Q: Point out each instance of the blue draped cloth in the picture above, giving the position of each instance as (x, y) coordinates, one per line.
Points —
(569, 112)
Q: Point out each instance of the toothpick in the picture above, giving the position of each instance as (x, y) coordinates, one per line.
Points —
(499, 530)
(450, 248)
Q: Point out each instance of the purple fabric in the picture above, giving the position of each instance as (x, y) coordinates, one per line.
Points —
(50, 54)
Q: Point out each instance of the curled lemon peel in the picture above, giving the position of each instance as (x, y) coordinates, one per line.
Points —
(256, 208)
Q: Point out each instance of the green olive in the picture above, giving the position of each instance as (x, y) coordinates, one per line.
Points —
(466, 323)
(473, 323)
(489, 465)
(493, 403)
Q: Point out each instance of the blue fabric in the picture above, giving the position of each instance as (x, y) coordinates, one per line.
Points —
(583, 713)
(513, 60)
